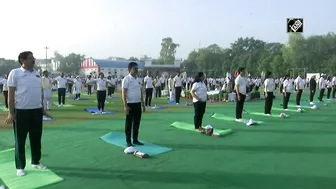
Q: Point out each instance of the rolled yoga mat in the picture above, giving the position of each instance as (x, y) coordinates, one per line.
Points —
(118, 139)
(33, 179)
(191, 127)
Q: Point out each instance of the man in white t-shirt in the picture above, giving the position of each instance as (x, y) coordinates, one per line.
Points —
(240, 88)
(322, 86)
(149, 85)
(61, 87)
(299, 85)
(334, 87)
(178, 87)
(132, 97)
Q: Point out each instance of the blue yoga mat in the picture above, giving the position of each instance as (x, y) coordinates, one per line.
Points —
(158, 107)
(95, 110)
(171, 102)
(118, 139)
(47, 118)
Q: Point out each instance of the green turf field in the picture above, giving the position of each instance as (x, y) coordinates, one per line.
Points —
(293, 153)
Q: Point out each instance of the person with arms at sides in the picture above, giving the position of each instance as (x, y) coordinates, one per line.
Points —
(178, 87)
(101, 83)
(89, 86)
(299, 84)
(5, 90)
(109, 86)
(78, 87)
(61, 88)
(158, 85)
(322, 86)
(287, 90)
(26, 111)
(171, 88)
(312, 89)
(269, 92)
(333, 81)
(47, 90)
(329, 87)
(240, 88)
(199, 94)
(149, 85)
(132, 97)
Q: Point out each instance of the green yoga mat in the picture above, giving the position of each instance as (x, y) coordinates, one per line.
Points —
(65, 105)
(3, 108)
(118, 139)
(260, 114)
(227, 118)
(191, 127)
(33, 179)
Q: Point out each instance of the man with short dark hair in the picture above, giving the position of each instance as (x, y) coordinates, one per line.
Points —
(240, 88)
(132, 97)
(26, 111)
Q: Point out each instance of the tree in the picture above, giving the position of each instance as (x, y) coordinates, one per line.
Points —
(132, 58)
(7, 65)
(168, 50)
(70, 63)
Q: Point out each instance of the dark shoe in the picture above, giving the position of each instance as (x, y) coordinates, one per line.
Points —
(137, 143)
(129, 144)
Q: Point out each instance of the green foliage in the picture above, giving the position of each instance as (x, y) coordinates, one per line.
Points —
(7, 65)
(300, 55)
(168, 50)
(70, 63)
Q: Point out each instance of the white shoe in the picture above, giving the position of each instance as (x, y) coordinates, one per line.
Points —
(298, 106)
(20, 172)
(177, 103)
(311, 103)
(286, 109)
(268, 114)
(2, 187)
(239, 120)
(39, 166)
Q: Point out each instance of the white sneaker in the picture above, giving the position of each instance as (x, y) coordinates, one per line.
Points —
(20, 172)
(39, 166)
(177, 103)
(239, 120)
(286, 109)
(268, 114)
(311, 103)
(298, 106)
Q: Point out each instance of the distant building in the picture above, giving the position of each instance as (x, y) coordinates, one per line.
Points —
(115, 67)
(49, 65)
(162, 69)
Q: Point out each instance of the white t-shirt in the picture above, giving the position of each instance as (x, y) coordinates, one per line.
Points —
(200, 90)
(333, 81)
(288, 85)
(178, 81)
(133, 86)
(4, 83)
(61, 82)
(269, 85)
(28, 93)
(149, 82)
(101, 84)
(299, 83)
(241, 82)
(322, 83)
(157, 82)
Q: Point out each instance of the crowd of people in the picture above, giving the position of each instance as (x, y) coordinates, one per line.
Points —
(27, 103)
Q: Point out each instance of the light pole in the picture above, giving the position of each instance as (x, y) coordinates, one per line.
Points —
(46, 58)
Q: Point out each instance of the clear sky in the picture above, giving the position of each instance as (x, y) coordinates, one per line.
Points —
(103, 28)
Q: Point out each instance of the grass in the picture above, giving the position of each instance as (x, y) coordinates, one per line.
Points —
(297, 152)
